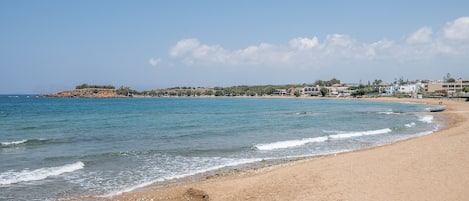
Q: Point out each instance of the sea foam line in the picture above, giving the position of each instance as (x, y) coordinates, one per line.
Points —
(294, 143)
(132, 188)
(13, 142)
(12, 177)
(360, 133)
(409, 125)
(22, 142)
(289, 143)
(427, 119)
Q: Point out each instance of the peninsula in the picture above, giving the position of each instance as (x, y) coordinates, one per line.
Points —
(93, 91)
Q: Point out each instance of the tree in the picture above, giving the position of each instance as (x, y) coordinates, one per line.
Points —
(377, 82)
(323, 91)
(358, 92)
(208, 93)
(326, 83)
(466, 89)
(125, 91)
(219, 93)
(269, 90)
(448, 78)
(334, 81)
(297, 93)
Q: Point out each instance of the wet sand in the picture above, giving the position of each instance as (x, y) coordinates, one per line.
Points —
(432, 167)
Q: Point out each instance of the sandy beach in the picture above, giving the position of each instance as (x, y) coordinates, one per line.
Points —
(432, 167)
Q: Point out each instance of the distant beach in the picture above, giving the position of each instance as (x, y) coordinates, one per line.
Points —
(431, 167)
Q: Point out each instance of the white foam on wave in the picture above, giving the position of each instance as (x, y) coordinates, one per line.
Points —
(389, 112)
(295, 143)
(427, 119)
(12, 177)
(360, 133)
(13, 142)
(289, 143)
(132, 188)
(410, 125)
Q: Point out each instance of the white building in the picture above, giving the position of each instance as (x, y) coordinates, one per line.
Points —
(411, 89)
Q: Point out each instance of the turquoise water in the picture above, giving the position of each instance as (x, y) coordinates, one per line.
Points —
(62, 148)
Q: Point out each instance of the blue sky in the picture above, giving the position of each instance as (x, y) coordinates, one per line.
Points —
(55, 45)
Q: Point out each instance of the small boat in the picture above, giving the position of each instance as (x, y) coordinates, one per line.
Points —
(437, 109)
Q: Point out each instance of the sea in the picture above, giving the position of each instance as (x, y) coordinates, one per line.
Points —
(71, 148)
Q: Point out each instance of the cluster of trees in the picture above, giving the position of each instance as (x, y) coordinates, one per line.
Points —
(87, 86)
(364, 90)
(242, 90)
(123, 90)
(448, 78)
(126, 91)
(326, 83)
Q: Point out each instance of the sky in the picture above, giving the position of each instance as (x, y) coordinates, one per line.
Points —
(49, 45)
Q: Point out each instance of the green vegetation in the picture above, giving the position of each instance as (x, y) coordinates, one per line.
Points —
(241, 90)
(362, 90)
(126, 91)
(448, 78)
(326, 83)
(466, 89)
(323, 91)
(87, 86)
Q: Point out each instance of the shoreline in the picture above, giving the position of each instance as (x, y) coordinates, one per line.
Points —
(210, 185)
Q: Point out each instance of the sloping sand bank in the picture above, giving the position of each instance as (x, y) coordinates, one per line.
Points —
(432, 167)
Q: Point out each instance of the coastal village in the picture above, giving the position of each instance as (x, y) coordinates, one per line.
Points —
(449, 87)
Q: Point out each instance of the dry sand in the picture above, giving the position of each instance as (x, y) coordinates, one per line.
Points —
(432, 167)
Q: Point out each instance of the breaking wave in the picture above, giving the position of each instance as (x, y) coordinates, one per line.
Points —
(13, 177)
(13, 142)
(294, 143)
(23, 142)
(360, 133)
(427, 119)
(289, 143)
(409, 125)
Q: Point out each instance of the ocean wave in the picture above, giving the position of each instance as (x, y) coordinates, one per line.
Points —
(22, 142)
(409, 125)
(427, 119)
(294, 143)
(12, 177)
(360, 133)
(289, 143)
(390, 113)
(13, 142)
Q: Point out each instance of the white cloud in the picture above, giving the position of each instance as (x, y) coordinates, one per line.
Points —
(154, 62)
(423, 35)
(303, 43)
(378, 49)
(457, 29)
(339, 40)
(421, 45)
(182, 47)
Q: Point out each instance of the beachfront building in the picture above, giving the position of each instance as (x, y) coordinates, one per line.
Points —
(389, 90)
(334, 90)
(311, 91)
(337, 90)
(411, 89)
(450, 87)
(281, 92)
(455, 88)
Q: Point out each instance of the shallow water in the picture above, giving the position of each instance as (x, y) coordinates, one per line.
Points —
(58, 148)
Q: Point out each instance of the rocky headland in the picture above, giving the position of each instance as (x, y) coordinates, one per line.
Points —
(86, 93)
